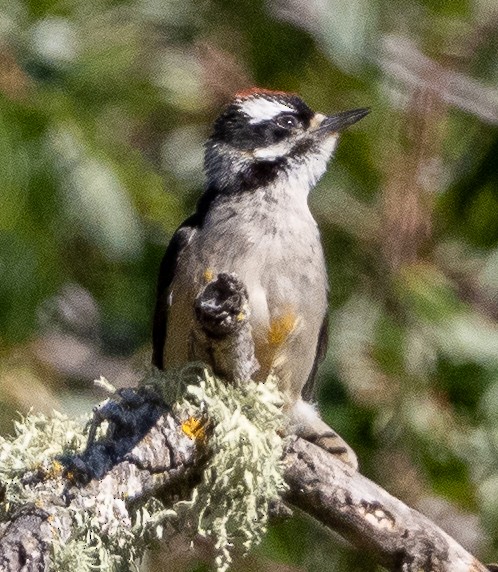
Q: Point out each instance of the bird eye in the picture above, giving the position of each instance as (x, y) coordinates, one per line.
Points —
(287, 121)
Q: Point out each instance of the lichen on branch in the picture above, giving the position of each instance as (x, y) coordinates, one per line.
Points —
(244, 472)
(101, 526)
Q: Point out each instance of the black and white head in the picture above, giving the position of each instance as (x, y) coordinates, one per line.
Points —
(263, 137)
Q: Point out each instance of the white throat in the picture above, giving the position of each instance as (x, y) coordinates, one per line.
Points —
(302, 176)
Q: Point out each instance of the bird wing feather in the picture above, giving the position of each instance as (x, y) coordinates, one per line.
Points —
(167, 271)
(321, 350)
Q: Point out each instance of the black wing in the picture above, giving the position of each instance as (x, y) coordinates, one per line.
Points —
(167, 273)
(321, 350)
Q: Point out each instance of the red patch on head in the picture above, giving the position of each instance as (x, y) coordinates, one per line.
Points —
(252, 91)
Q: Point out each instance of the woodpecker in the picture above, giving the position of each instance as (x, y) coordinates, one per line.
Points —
(266, 152)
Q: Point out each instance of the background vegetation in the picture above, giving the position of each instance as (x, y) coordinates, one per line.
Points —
(104, 106)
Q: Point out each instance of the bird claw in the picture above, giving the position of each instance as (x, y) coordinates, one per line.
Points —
(332, 443)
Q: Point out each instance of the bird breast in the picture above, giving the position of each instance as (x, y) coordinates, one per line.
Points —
(273, 245)
(271, 242)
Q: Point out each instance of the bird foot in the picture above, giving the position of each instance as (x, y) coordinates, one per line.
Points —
(335, 445)
(305, 422)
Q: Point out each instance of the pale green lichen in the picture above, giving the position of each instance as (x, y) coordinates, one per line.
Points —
(244, 473)
(74, 555)
(230, 505)
(37, 442)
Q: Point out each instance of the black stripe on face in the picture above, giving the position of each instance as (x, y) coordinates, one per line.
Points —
(303, 112)
(235, 128)
(302, 148)
(261, 174)
(241, 134)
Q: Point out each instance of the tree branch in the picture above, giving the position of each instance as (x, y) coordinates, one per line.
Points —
(146, 454)
(165, 462)
(393, 534)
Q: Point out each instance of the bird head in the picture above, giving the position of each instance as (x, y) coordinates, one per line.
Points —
(264, 136)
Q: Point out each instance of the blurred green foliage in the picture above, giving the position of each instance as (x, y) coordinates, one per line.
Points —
(104, 107)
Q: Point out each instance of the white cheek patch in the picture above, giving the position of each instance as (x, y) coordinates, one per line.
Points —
(307, 172)
(261, 109)
(273, 151)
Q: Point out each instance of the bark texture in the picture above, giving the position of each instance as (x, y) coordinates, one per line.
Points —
(146, 453)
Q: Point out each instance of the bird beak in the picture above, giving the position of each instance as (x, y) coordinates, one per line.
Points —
(340, 121)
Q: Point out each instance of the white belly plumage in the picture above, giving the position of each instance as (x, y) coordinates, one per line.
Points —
(284, 273)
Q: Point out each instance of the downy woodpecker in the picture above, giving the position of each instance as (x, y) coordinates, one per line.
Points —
(266, 152)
